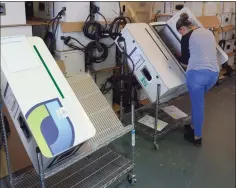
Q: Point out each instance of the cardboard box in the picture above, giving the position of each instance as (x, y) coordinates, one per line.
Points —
(18, 156)
(209, 21)
(61, 65)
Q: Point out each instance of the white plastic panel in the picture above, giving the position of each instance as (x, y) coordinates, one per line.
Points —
(233, 19)
(228, 7)
(29, 88)
(74, 61)
(209, 8)
(219, 7)
(229, 35)
(110, 60)
(22, 60)
(231, 60)
(225, 19)
(229, 47)
(233, 7)
(147, 85)
(151, 57)
(169, 7)
(195, 7)
(109, 9)
(19, 30)
(75, 11)
(15, 13)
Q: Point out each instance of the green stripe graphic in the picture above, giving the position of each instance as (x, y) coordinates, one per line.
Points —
(47, 69)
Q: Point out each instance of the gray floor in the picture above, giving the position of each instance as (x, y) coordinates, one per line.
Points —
(179, 164)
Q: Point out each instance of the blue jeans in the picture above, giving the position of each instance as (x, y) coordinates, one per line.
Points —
(198, 83)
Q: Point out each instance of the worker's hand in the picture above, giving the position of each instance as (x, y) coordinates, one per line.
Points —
(175, 52)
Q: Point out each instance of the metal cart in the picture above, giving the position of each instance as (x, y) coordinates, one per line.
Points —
(155, 110)
(94, 165)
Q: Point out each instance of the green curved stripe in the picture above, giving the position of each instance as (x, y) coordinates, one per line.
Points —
(48, 71)
(34, 121)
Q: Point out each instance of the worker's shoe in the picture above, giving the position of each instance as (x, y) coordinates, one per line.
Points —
(190, 138)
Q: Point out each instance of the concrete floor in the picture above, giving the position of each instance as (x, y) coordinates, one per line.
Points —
(181, 165)
(178, 164)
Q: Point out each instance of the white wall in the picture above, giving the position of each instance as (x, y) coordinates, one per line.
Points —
(19, 30)
(15, 13)
(109, 10)
(75, 11)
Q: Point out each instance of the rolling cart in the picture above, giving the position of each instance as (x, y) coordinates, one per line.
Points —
(155, 110)
(95, 165)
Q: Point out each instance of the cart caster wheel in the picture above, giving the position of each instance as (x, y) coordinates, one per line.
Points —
(131, 179)
(156, 146)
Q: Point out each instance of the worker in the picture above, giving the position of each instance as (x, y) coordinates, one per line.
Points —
(198, 54)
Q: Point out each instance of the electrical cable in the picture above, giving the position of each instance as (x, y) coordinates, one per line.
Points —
(92, 29)
(222, 43)
(78, 42)
(120, 10)
(111, 45)
(67, 39)
(156, 16)
(50, 37)
(106, 24)
(93, 53)
(127, 78)
(116, 24)
(90, 51)
(126, 56)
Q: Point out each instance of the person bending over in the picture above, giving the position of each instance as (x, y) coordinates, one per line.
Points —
(198, 53)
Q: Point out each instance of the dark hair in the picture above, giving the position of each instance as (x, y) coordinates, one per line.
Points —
(183, 21)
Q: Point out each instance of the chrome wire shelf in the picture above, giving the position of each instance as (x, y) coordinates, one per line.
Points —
(108, 126)
(101, 170)
(94, 165)
(173, 124)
